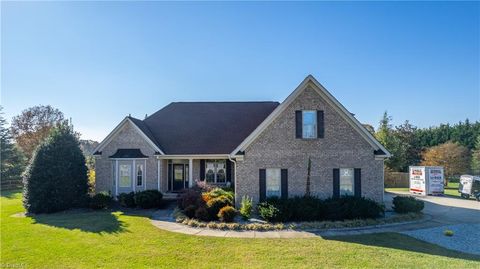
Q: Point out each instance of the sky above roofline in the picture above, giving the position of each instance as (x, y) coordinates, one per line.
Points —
(100, 61)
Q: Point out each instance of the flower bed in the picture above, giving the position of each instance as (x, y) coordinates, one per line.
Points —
(210, 207)
(308, 225)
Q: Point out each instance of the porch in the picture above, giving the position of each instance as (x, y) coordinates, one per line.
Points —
(182, 173)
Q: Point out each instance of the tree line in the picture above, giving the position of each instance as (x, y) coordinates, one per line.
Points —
(455, 147)
(27, 131)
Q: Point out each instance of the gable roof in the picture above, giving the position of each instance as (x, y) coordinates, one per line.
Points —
(378, 148)
(193, 128)
(138, 126)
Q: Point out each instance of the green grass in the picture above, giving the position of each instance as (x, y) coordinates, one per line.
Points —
(127, 240)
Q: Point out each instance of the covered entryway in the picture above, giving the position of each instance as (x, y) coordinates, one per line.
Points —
(179, 174)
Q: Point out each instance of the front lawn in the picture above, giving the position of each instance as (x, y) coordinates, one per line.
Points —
(120, 239)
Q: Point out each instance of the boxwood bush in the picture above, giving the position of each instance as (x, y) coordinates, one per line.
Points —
(407, 204)
(100, 200)
(127, 199)
(148, 199)
(315, 209)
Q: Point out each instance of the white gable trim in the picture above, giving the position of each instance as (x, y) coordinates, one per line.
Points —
(117, 129)
(311, 81)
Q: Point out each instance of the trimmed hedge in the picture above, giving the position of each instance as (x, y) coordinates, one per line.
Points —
(100, 200)
(407, 204)
(127, 199)
(315, 209)
(149, 199)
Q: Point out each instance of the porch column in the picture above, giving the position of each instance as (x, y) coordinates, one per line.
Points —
(190, 172)
(116, 178)
(158, 174)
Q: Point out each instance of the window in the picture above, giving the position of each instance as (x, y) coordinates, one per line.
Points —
(216, 171)
(139, 174)
(309, 124)
(273, 182)
(125, 175)
(346, 181)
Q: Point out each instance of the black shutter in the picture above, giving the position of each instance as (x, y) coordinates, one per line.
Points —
(284, 177)
(320, 124)
(202, 170)
(357, 179)
(336, 183)
(229, 171)
(263, 184)
(298, 124)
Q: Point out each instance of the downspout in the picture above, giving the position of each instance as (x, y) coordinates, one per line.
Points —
(234, 175)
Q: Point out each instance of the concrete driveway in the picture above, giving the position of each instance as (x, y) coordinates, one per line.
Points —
(444, 210)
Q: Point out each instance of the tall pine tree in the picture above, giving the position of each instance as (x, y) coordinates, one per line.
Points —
(12, 160)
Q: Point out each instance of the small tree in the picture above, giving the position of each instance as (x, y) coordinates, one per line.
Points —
(454, 158)
(56, 178)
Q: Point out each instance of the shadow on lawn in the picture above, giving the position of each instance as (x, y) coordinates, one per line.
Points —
(403, 242)
(101, 221)
(10, 194)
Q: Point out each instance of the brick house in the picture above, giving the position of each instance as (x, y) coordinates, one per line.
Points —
(260, 149)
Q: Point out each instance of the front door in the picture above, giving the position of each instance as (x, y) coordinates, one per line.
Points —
(178, 177)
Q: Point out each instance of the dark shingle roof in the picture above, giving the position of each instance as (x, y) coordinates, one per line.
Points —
(128, 153)
(204, 127)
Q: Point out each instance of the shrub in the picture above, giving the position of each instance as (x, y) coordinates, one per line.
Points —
(314, 209)
(148, 199)
(351, 207)
(127, 199)
(218, 192)
(406, 204)
(246, 207)
(227, 213)
(100, 200)
(189, 211)
(448, 233)
(268, 211)
(56, 178)
(215, 204)
(202, 214)
(190, 197)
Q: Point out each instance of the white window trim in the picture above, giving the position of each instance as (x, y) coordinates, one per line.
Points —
(215, 166)
(315, 127)
(266, 181)
(340, 180)
(136, 174)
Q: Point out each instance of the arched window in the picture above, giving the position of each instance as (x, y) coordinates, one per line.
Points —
(139, 174)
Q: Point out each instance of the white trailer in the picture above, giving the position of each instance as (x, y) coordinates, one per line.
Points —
(426, 180)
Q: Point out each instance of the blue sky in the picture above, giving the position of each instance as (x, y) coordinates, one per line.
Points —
(99, 61)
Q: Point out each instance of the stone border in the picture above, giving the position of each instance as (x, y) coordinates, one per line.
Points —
(168, 223)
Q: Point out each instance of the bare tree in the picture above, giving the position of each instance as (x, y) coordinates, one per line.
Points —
(33, 125)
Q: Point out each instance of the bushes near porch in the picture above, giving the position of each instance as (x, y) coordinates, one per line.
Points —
(206, 203)
(315, 209)
(143, 199)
